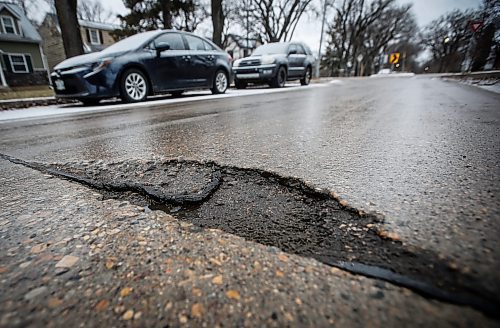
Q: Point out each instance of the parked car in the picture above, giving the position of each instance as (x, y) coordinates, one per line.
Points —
(144, 64)
(275, 63)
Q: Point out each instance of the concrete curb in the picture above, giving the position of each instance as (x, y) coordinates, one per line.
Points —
(485, 80)
(474, 75)
(31, 102)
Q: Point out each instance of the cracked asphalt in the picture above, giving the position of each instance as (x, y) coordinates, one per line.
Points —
(421, 152)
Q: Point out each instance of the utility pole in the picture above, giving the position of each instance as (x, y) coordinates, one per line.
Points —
(321, 38)
(247, 51)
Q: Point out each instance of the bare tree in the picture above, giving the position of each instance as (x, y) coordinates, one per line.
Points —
(92, 10)
(217, 21)
(448, 38)
(270, 20)
(189, 15)
(70, 30)
(360, 30)
(166, 12)
(486, 51)
(279, 18)
(147, 15)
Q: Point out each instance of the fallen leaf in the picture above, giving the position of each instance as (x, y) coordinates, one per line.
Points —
(280, 273)
(125, 291)
(3, 269)
(197, 310)
(217, 280)
(102, 305)
(233, 294)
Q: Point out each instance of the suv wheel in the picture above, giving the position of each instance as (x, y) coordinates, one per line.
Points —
(279, 80)
(240, 84)
(220, 82)
(134, 86)
(307, 77)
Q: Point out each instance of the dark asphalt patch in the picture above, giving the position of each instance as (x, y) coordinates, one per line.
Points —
(278, 211)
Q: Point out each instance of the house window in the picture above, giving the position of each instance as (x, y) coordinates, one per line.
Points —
(94, 36)
(8, 25)
(18, 63)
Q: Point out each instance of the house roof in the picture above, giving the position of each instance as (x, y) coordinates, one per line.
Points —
(30, 33)
(99, 26)
(51, 18)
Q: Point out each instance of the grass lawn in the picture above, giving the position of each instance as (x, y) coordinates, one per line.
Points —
(26, 92)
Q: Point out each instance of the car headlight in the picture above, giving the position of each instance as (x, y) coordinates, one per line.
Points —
(102, 64)
(266, 60)
(236, 63)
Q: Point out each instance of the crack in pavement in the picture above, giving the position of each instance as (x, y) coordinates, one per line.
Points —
(278, 211)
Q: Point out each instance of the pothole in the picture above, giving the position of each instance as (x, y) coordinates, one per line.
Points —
(278, 211)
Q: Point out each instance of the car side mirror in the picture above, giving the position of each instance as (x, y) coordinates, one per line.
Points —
(292, 52)
(161, 46)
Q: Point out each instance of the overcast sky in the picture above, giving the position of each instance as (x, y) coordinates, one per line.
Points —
(309, 27)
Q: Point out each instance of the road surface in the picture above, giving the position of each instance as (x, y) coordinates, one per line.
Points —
(421, 153)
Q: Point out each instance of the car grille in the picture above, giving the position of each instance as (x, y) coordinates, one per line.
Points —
(251, 62)
(72, 84)
(248, 70)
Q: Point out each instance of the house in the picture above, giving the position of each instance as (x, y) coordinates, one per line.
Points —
(95, 37)
(239, 46)
(22, 59)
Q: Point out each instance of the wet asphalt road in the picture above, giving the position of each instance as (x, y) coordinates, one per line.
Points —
(423, 152)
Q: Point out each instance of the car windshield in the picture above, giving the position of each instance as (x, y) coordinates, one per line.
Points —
(271, 48)
(130, 43)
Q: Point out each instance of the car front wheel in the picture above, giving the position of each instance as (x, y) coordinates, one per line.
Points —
(307, 77)
(279, 80)
(134, 86)
(220, 82)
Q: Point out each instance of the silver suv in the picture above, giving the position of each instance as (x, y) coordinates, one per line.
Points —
(275, 63)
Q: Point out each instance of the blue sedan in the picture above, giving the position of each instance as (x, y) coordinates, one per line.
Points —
(144, 64)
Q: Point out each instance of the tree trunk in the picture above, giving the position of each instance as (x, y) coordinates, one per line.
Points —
(70, 30)
(166, 12)
(217, 22)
